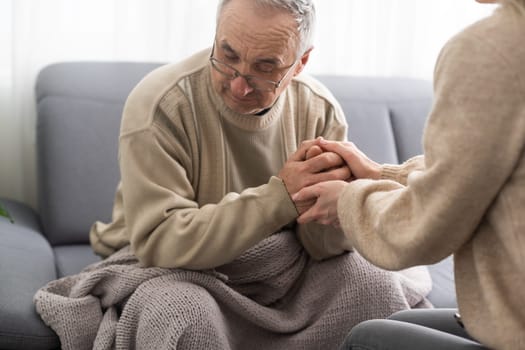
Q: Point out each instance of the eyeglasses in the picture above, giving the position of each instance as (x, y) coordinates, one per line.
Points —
(256, 83)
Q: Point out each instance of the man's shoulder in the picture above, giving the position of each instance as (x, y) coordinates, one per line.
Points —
(312, 86)
(146, 96)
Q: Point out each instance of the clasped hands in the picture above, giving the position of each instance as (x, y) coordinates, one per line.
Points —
(316, 174)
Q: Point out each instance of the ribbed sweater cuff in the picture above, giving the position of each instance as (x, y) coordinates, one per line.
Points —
(392, 172)
(399, 173)
(287, 207)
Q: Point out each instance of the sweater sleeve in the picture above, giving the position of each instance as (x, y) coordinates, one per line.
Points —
(472, 141)
(399, 173)
(168, 228)
(325, 241)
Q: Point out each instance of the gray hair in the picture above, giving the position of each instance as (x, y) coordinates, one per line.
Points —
(303, 11)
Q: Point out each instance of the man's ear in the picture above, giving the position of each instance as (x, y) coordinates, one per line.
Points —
(302, 61)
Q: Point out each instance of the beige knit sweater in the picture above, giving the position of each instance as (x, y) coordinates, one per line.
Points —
(198, 183)
(467, 196)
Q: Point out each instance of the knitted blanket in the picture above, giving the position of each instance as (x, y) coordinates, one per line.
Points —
(272, 297)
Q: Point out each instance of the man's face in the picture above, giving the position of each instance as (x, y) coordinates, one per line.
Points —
(257, 42)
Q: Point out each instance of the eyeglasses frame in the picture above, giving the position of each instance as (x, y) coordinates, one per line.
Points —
(248, 77)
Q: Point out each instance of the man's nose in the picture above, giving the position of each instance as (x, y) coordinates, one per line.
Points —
(240, 87)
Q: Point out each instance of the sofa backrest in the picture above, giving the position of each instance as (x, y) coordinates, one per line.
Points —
(385, 115)
(79, 106)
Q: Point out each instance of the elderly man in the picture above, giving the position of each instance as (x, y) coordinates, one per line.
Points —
(203, 251)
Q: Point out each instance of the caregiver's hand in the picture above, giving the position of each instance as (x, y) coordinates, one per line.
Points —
(360, 165)
(325, 195)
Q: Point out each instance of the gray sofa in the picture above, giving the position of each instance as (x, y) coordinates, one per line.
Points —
(79, 106)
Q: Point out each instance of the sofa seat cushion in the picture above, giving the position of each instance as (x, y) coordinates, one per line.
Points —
(26, 264)
(71, 259)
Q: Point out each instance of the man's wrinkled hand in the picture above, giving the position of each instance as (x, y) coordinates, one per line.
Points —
(310, 165)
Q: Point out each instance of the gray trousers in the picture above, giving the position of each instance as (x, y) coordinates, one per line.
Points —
(429, 329)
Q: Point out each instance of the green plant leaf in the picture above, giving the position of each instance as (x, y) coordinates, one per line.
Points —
(5, 213)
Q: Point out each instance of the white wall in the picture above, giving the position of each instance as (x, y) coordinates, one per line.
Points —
(388, 37)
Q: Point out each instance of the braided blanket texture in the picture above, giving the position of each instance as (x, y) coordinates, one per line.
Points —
(272, 297)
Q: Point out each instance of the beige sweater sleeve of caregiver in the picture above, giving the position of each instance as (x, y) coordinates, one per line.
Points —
(472, 142)
(467, 195)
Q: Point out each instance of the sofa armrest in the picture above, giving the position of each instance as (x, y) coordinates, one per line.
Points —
(26, 264)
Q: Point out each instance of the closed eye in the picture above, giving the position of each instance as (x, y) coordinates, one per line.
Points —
(231, 59)
(228, 54)
(265, 68)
